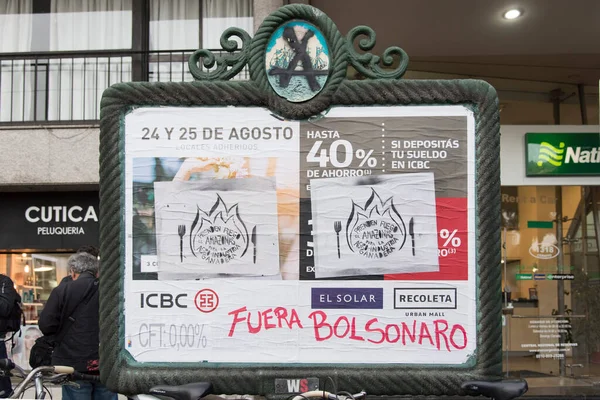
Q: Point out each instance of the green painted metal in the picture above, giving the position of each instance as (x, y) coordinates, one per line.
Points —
(368, 64)
(229, 64)
(121, 373)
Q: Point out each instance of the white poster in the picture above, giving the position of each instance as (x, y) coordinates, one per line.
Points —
(349, 239)
(213, 228)
(375, 217)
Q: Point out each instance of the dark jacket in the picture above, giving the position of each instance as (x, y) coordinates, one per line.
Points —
(66, 279)
(79, 347)
(8, 298)
(6, 295)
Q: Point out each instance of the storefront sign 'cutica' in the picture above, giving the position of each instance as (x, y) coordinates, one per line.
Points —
(49, 220)
(60, 214)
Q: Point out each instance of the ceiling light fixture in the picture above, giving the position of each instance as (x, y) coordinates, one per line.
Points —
(513, 14)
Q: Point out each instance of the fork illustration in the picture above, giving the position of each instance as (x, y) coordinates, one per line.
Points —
(181, 232)
(337, 226)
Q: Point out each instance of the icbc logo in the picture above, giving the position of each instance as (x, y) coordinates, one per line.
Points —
(206, 300)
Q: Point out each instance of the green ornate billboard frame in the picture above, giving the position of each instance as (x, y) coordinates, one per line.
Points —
(382, 87)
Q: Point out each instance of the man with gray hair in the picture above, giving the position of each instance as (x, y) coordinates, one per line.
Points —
(93, 250)
(72, 311)
(83, 262)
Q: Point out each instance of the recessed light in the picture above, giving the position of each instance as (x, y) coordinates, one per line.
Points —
(513, 14)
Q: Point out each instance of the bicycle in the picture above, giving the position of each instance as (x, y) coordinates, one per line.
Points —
(495, 390)
(45, 374)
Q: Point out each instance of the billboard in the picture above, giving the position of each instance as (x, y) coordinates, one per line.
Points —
(299, 224)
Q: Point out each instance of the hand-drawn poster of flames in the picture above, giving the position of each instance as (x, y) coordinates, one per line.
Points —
(398, 209)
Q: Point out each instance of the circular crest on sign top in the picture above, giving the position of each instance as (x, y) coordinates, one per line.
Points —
(297, 61)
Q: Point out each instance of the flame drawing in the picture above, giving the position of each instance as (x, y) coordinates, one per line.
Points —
(219, 219)
(375, 209)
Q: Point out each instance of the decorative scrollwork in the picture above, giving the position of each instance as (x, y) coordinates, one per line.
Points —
(367, 64)
(229, 64)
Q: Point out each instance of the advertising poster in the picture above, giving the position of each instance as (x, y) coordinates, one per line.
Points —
(18, 348)
(348, 238)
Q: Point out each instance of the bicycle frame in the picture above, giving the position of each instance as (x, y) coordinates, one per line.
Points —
(37, 375)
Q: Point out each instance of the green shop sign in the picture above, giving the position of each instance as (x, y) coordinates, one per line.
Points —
(552, 154)
(524, 277)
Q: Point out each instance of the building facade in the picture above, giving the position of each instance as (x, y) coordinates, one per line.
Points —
(58, 56)
(56, 59)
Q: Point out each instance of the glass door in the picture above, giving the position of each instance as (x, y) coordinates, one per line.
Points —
(583, 241)
(547, 305)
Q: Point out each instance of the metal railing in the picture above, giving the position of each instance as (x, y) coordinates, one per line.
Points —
(68, 86)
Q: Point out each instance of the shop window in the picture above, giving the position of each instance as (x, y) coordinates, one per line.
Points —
(34, 276)
(551, 281)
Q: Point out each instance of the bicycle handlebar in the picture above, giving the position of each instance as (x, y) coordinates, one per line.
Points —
(85, 377)
(59, 369)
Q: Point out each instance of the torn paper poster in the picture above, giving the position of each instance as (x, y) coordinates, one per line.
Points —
(216, 228)
(383, 224)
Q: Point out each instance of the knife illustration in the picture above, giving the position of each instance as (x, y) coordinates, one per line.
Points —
(411, 232)
(253, 239)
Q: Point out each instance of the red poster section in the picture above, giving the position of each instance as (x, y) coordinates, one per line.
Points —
(452, 216)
